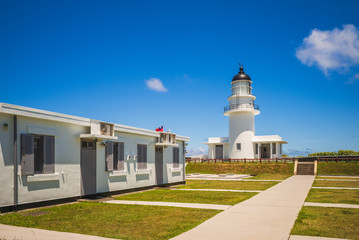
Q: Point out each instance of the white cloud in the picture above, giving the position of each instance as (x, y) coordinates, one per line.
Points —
(156, 85)
(353, 79)
(198, 151)
(331, 50)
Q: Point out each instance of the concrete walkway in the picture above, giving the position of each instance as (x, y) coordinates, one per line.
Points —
(346, 188)
(268, 215)
(297, 237)
(172, 204)
(336, 205)
(22, 233)
(214, 190)
(338, 180)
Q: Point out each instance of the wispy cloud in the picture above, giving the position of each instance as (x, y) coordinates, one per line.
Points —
(295, 152)
(353, 79)
(331, 50)
(156, 85)
(197, 151)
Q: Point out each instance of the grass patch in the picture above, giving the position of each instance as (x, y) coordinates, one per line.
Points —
(114, 221)
(333, 196)
(273, 176)
(349, 184)
(327, 222)
(340, 168)
(240, 168)
(234, 185)
(166, 195)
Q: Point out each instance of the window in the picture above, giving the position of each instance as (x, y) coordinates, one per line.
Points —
(280, 148)
(37, 154)
(238, 146)
(241, 88)
(175, 157)
(115, 156)
(141, 156)
(274, 148)
(257, 148)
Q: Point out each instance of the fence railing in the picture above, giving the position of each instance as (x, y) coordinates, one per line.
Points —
(242, 160)
(275, 160)
(241, 107)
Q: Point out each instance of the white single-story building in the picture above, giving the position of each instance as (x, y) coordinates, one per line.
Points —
(49, 156)
(242, 141)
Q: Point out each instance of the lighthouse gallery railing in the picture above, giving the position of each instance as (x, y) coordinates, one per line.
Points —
(240, 106)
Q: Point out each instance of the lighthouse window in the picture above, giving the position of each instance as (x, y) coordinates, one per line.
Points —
(256, 148)
(241, 88)
(238, 146)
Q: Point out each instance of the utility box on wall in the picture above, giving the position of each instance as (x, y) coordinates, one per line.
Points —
(102, 128)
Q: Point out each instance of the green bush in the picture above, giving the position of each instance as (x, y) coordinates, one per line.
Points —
(339, 153)
(240, 168)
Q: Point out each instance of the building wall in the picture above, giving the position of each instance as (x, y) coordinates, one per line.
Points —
(241, 130)
(66, 181)
(6, 160)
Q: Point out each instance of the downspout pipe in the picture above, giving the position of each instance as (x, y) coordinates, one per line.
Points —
(15, 165)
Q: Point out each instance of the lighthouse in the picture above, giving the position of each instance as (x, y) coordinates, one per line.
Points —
(242, 143)
(241, 112)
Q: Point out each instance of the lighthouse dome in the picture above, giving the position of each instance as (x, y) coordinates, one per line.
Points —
(241, 76)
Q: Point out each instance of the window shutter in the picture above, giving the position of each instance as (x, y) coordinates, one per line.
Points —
(176, 157)
(49, 154)
(27, 154)
(121, 156)
(109, 156)
(139, 156)
(144, 155)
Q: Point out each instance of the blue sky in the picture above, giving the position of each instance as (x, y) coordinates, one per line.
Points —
(93, 58)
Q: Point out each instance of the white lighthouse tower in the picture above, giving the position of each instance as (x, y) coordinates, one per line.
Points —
(241, 111)
(242, 142)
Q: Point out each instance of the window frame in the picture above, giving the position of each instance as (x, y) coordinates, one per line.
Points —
(37, 154)
(240, 146)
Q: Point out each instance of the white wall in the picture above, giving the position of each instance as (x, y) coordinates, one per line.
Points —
(6, 160)
(241, 130)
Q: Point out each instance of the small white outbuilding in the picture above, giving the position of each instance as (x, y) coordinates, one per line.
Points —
(49, 156)
(242, 142)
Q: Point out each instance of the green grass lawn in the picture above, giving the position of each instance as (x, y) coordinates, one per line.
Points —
(273, 176)
(234, 185)
(349, 184)
(339, 168)
(114, 221)
(333, 196)
(166, 195)
(327, 222)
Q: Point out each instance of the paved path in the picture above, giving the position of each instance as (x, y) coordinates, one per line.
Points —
(215, 190)
(337, 205)
(268, 215)
(172, 204)
(338, 180)
(297, 237)
(347, 188)
(22, 233)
